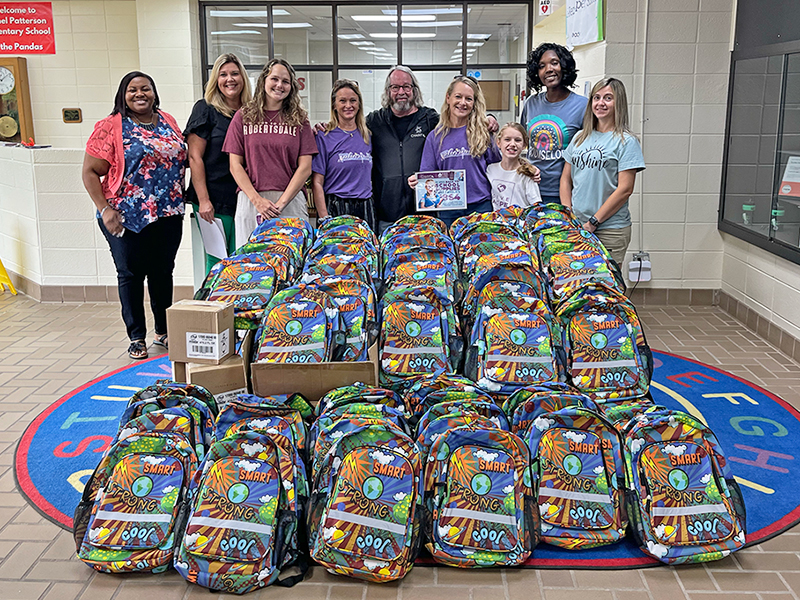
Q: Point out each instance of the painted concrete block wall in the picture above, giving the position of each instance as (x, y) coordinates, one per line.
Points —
(48, 230)
(684, 97)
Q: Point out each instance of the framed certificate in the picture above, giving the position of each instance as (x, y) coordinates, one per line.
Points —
(441, 190)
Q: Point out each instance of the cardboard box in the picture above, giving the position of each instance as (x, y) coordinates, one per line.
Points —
(225, 380)
(200, 332)
(312, 380)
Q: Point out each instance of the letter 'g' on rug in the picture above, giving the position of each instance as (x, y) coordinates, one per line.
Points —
(759, 432)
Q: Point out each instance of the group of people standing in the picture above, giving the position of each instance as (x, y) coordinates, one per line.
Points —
(252, 152)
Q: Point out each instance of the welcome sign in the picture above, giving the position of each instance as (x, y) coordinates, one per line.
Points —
(27, 28)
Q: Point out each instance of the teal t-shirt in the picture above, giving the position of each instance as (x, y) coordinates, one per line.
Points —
(596, 164)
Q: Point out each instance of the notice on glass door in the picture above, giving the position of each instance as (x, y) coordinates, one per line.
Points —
(790, 182)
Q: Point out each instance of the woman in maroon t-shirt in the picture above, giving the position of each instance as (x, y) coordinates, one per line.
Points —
(270, 144)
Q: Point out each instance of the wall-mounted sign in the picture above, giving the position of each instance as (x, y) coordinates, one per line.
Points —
(545, 8)
(26, 28)
(72, 115)
(584, 22)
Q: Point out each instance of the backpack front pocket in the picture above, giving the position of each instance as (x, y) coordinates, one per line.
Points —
(414, 341)
(235, 511)
(479, 509)
(295, 332)
(518, 350)
(138, 503)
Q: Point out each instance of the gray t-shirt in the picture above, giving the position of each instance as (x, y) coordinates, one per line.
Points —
(596, 164)
(551, 127)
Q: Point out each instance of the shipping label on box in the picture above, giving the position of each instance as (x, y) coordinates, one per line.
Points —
(208, 345)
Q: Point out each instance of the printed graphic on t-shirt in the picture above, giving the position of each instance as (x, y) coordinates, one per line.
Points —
(504, 193)
(453, 153)
(592, 157)
(355, 156)
(549, 136)
(269, 127)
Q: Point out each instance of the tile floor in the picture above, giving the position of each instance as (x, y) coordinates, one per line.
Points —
(47, 350)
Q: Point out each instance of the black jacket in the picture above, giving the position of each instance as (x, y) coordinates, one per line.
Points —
(395, 160)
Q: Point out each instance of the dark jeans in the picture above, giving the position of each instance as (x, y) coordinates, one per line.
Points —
(355, 207)
(449, 216)
(149, 253)
(551, 199)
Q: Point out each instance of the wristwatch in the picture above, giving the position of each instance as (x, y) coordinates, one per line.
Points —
(593, 221)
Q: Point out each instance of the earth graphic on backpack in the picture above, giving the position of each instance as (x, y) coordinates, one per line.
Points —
(481, 484)
(372, 488)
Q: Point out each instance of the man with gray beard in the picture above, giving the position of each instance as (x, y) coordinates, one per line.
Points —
(398, 131)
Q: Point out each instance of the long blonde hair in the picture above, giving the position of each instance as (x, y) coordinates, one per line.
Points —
(214, 97)
(361, 123)
(621, 123)
(292, 110)
(525, 168)
(478, 136)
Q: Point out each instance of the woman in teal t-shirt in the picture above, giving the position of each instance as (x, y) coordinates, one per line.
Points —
(600, 168)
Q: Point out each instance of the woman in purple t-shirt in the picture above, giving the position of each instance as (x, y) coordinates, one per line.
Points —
(462, 140)
(270, 144)
(342, 179)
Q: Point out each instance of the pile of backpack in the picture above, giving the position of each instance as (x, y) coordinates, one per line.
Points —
(221, 497)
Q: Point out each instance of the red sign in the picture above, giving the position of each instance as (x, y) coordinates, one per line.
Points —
(26, 28)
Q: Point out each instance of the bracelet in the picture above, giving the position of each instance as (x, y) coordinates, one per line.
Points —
(105, 208)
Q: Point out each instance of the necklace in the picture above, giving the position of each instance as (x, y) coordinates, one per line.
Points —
(148, 126)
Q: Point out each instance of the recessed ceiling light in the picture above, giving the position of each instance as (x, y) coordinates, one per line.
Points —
(237, 32)
(407, 36)
(290, 25)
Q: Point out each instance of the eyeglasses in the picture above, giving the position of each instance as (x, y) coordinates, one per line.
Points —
(405, 87)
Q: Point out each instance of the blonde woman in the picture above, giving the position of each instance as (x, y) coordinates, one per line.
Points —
(212, 189)
(342, 171)
(462, 140)
(601, 166)
(270, 144)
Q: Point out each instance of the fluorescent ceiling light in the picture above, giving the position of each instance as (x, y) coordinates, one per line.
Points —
(363, 43)
(350, 36)
(407, 36)
(237, 32)
(454, 60)
(434, 24)
(387, 18)
(471, 44)
(478, 36)
(246, 13)
(428, 11)
(290, 25)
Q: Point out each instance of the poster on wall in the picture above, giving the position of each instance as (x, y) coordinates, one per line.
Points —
(790, 182)
(584, 22)
(26, 28)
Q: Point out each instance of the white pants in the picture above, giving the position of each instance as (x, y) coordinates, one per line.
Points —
(246, 213)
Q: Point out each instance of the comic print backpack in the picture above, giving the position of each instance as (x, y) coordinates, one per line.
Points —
(246, 504)
(348, 266)
(249, 286)
(208, 283)
(578, 478)
(421, 387)
(167, 387)
(507, 217)
(413, 223)
(346, 225)
(365, 512)
(683, 503)
(569, 271)
(445, 416)
(416, 246)
(480, 511)
(547, 219)
(608, 357)
(525, 405)
(134, 506)
(356, 303)
(514, 346)
(301, 324)
(419, 335)
(344, 249)
(441, 275)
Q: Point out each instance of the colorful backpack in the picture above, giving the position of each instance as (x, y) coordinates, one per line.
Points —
(301, 324)
(261, 413)
(525, 405)
(357, 307)
(578, 478)
(249, 286)
(167, 387)
(365, 513)
(480, 511)
(413, 223)
(348, 266)
(420, 388)
(133, 507)
(358, 392)
(419, 334)
(246, 506)
(573, 270)
(236, 258)
(608, 357)
(683, 503)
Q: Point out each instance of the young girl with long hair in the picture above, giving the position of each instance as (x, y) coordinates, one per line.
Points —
(601, 166)
(342, 171)
(462, 140)
(270, 144)
(514, 180)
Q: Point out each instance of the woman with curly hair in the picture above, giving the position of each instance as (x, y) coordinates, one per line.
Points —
(552, 117)
(462, 140)
(270, 144)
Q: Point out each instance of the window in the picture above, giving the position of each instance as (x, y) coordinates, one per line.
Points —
(760, 200)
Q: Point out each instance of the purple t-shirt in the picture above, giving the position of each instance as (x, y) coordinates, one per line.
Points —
(270, 149)
(454, 154)
(345, 160)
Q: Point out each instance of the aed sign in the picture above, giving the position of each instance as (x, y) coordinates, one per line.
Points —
(27, 28)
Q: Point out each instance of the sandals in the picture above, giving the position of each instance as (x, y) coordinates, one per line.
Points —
(161, 340)
(137, 350)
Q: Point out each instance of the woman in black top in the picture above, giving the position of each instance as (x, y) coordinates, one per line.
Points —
(212, 190)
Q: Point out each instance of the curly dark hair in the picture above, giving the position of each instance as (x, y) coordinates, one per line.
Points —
(568, 71)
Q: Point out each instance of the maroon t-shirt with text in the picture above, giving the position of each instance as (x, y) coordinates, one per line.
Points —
(270, 149)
